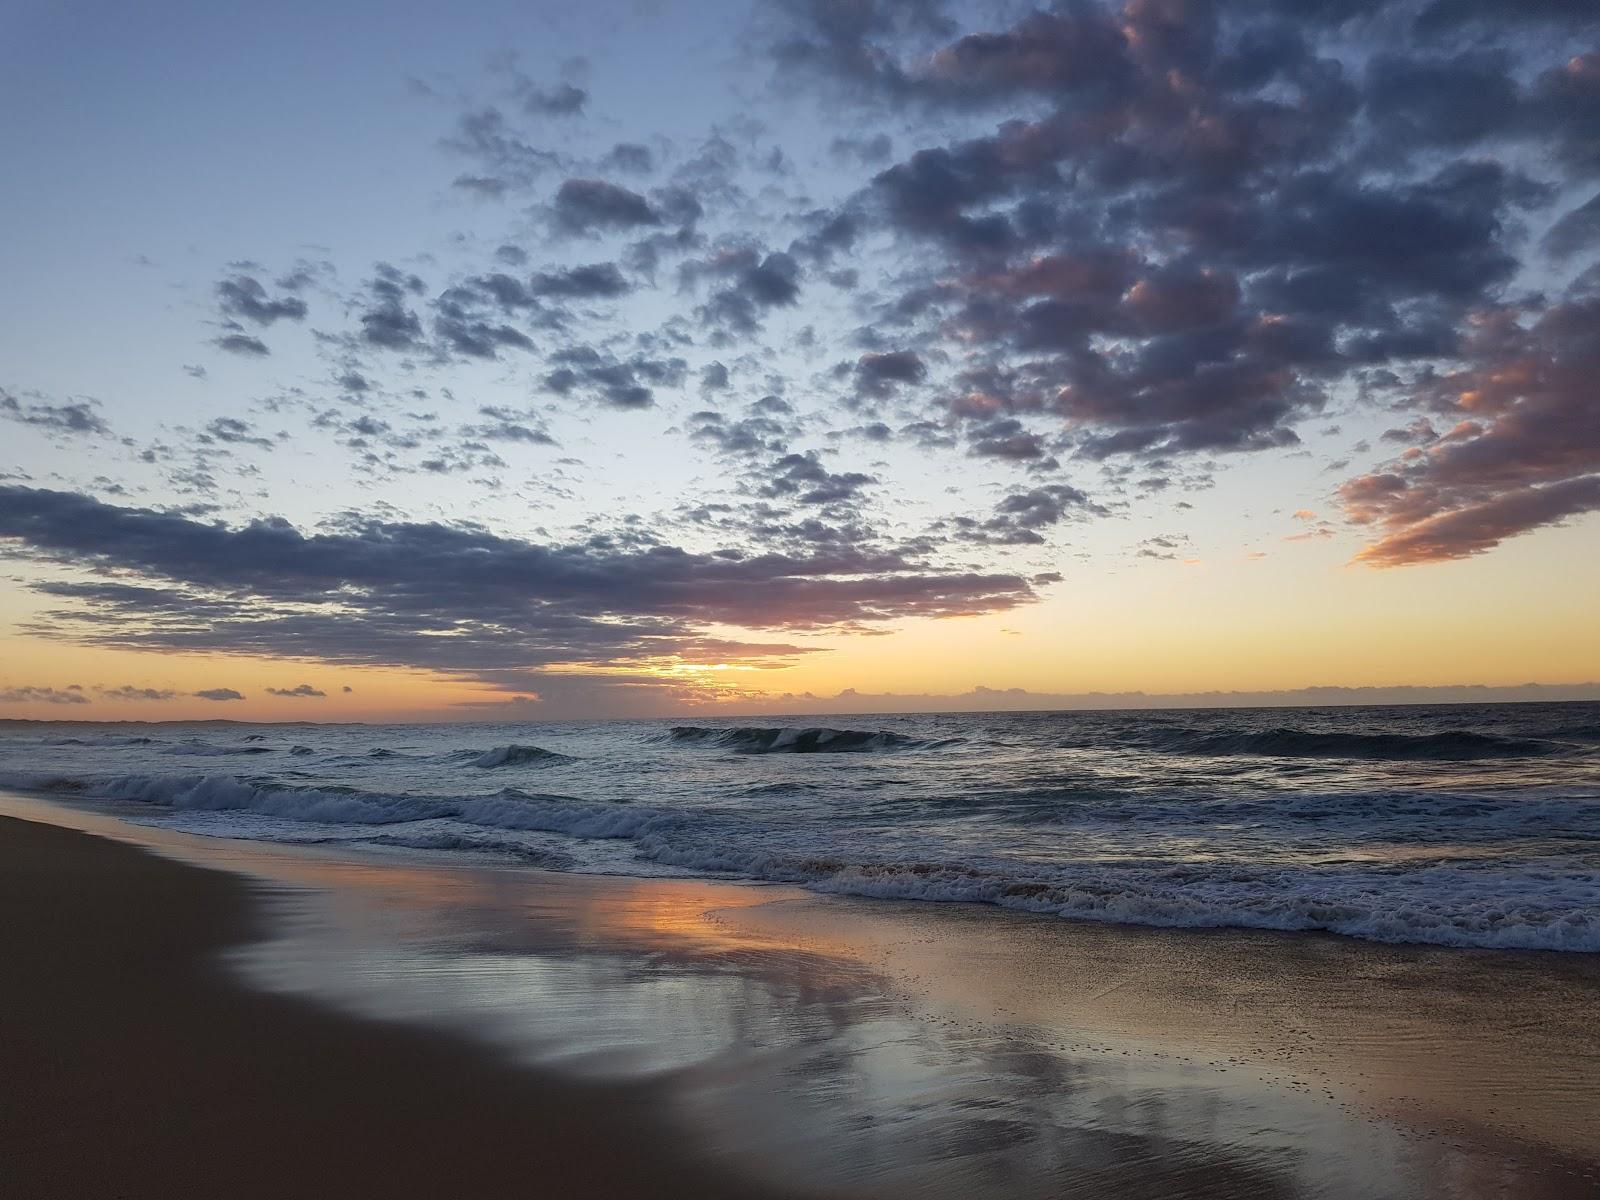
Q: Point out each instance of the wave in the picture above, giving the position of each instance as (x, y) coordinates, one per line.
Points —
(1576, 733)
(1556, 911)
(1549, 904)
(1526, 907)
(756, 739)
(206, 748)
(516, 755)
(552, 860)
(103, 740)
(508, 809)
(1449, 746)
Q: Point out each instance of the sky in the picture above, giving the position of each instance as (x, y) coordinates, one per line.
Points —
(542, 361)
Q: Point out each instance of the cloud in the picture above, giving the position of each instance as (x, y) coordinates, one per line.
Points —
(506, 425)
(876, 374)
(766, 428)
(1190, 224)
(78, 417)
(1015, 699)
(868, 151)
(589, 205)
(43, 695)
(464, 327)
(613, 382)
(563, 100)
(245, 297)
(590, 282)
(1576, 231)
(303, 691)
(803, 479)
(219, 694)
(1522, 448)
(242, 344)
(756, 282)
(129, 692)
(504, 159)
(459, 599)
(631, 157)
(1020, 516)
(234, 432)
(388, 321)
(1005, 438)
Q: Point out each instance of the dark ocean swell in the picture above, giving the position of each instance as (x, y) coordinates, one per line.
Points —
(1446, 746)
(755, 739)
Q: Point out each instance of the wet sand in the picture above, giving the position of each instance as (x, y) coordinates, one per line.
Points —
(757, 1032)
(132, 1066)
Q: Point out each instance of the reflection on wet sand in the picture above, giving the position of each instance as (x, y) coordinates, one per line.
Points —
(888, 1049)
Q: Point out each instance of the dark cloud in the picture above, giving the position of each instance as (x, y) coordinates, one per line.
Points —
(755, 282)
(464, 325)
(876, 374)
(486, 187)
(302, 691)
(803, 479)
(374, 591)
(505, 425)
(234, 432)
(614, 382)
(867, 151)
(1521, 446)
(43, 695)
(1578, 230)
(245, 297)
(1006, 437)
(765, 428)
(713, 377)
(1439, 101)
(1192, 220)
(131, 693)
(563, 100)
(632, 157)
(593, 281)
(1441, 15)
(78, 417)
(588, 205)
(219, 694)
(389, 322)
(505, 160)
(243, 344)
(1019, 517)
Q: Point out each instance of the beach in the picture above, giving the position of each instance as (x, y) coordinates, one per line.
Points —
(292, 1020)
(134, 1067)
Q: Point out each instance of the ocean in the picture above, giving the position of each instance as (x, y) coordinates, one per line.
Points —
(1468, 826)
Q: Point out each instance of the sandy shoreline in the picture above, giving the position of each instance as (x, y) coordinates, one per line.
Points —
(133, 1067)
(850, 1047)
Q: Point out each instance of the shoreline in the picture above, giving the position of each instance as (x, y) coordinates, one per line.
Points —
(721, 1002)
(136, 1067)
